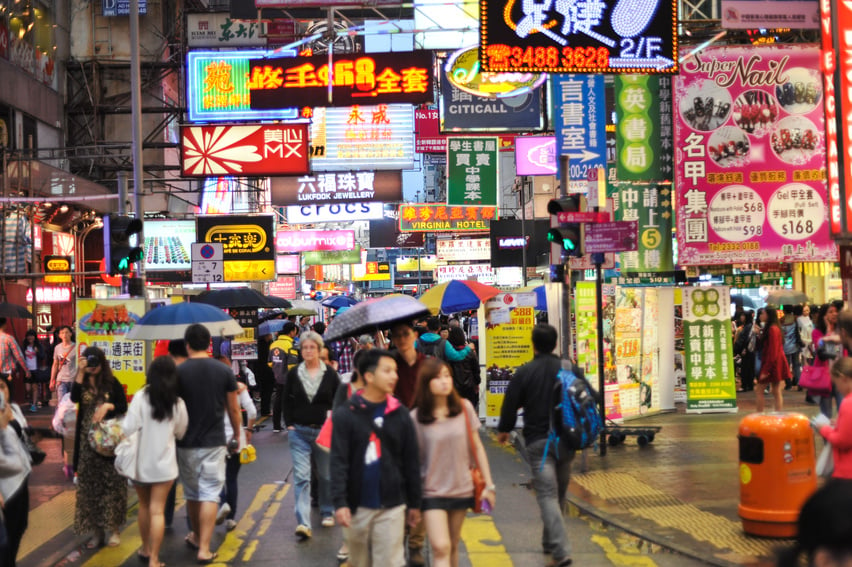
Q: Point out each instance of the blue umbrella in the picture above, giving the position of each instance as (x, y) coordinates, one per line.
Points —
(273, 326)
(170, 322)
(338, 301)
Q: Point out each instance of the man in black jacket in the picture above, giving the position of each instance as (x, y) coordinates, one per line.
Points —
(533, 389)
(375, 466)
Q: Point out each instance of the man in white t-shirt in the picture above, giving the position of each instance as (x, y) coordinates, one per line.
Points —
(64, 364)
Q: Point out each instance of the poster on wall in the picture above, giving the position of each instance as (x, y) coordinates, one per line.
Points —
(636, 351)
(103, 323)
(612, 399)
(750, 157)
(587, 330)
(711, 384)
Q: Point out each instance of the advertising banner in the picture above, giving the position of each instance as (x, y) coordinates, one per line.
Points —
(247, 244)
(339, 212)
(415, 264)
(284, 287)
(757, 14)
(536, 155)
(483, 273)
(217, 87)
(287, 264)
(578, 111)
(362, 137)
(750, 157)
(168, 244)
(587, 330)
(251, 150)
(110, 8)
(643, 141)
(472, 171)
(103, 323)
(635, 385)
(651, 207)
(441, 218)
(711, 382)
(508, 240)
(319, 240)
(375, 78)
(331, 257)
(427, 132)
(371, 272)
(385, 234)
(57, 269)
(463, 249)
(337, 188)
(219, 30)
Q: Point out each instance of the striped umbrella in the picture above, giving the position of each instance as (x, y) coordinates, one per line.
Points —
(457, 295)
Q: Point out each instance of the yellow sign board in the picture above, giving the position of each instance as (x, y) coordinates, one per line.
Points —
(249, 270)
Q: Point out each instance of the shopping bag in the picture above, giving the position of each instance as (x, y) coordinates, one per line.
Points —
(825, 462)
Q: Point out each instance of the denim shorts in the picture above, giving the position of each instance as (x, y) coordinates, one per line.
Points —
(202, 472)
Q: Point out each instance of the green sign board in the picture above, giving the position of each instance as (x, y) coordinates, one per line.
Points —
(651, 206)
(472, 171)
(329, 257)
(643, 140)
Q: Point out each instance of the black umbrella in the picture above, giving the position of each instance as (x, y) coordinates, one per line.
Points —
(380, 313)
(12, 311)
(279, 302)
(234, 297)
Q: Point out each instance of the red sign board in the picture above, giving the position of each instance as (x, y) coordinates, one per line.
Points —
(838, 110)
(247, 150)
(280, 30)
(307, 240)
(370, 79)
(429, 140)
(620, 236)
(285, 288)
(582, 217)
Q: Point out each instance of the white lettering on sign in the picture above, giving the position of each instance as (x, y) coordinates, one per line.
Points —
(336, 212)
(506, 242)
(283, 142)
(306, 240)
(464, 249)
(344, 186)
(50, 295)
(481, 272)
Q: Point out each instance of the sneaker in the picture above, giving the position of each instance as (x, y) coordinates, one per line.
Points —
(328, 522)
(223, 512)
(33, 408)
(230, 525)
(276, 431)
(304, 532)
(415, 557)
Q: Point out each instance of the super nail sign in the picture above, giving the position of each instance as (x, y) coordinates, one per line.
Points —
(355, 79)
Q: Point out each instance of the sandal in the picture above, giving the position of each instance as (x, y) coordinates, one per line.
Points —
(189, 542)
(114, 540)
(209, 560)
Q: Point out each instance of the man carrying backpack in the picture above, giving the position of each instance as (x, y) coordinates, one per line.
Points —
(533, 389)
(283, 356)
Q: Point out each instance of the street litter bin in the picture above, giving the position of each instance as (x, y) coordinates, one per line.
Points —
(777, 472)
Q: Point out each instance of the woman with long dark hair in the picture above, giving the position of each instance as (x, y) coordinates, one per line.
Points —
(159, 416)
(447, 432)
(101, 491)
(466, 377)
(36, 359)
(774, 368)
(741, 349)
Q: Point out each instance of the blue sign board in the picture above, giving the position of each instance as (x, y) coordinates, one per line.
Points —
(121, 7)
(578, 111)
(461, 111)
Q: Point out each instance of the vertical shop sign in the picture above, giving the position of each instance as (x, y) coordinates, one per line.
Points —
(579, 119)
(711, 383)
(472, 171)
(750, 157)
(587, 330)
(643, 142)
(651, 207)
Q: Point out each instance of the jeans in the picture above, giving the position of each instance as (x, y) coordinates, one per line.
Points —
(277, 399)
(63, 388)
(302, 444)
(551, 483)
(231, 490)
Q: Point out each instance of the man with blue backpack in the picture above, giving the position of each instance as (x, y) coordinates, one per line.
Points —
(551, 433)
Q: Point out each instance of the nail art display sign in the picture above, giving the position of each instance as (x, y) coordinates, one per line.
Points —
(750, 157)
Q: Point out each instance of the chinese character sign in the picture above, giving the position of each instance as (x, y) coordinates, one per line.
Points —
(651, 207)
(643, 139)
(578, 108)
(711, 383)
(248, 244)
(750, 157)
(472, 171)
(442, 218)
(354, 79)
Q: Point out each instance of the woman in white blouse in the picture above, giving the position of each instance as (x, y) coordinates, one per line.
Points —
(160, 417)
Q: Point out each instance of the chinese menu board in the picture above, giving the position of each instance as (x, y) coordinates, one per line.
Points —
(711, 383)
(472, 171)
(103, 323)
(750, 157)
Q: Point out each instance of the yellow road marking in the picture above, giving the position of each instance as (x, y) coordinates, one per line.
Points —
(268, 516)
(484, 543)
(250, 549)
(47, 521)
(235, 539)
(621, 559)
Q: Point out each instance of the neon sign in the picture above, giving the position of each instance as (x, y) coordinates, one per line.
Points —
(605, 36)
(349, 79)
(217, 87)
(465, 72)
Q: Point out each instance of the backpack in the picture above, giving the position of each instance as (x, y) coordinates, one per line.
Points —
(435, 350)
(577, 421)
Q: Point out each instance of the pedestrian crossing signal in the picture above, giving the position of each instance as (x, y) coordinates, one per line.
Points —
(119, 254)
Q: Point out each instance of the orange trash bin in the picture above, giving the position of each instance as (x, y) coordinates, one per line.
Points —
(777, 472)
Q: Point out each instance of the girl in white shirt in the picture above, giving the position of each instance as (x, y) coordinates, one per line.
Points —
(160, 417)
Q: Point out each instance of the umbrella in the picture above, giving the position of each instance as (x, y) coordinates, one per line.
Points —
(13, 311)
(744, 301)
(234, 297)
(786, 297)
(338, 301)
(170, 322)
(279, 302)
(457, 295)
(374, 314)
(304, 307)
(273, 327)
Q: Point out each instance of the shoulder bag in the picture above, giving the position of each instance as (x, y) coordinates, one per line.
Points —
(127, 455)
(475, 471)
(104, 436)
(816, 378)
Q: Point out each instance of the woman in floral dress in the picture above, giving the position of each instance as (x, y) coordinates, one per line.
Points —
(101, 491)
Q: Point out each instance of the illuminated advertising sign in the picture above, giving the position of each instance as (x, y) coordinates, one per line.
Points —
(332, 257)
(415, 264)
(168, 245)
(57, 269)
(371, 272)
(441, 218)
(578, 112)
(362, 137)
(338, 212)
(618, 36)
(355, 79)
(49, 294)
(217, 87)
(483, 273)
(464, 72)
(257, 149)
(318, 3)
(512, 242)
(219, 30)
(643, 142)
(288, 264)
(463, 249)
(306, 240)
(536, 155)
(335, 188)
(472, 171)
(247, 242)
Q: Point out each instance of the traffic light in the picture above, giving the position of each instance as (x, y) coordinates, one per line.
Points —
(567, 235)
(569, 204)
(118, 252)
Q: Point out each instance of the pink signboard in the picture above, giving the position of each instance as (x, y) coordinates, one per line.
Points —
(288, 264)
(750, 155)
(307, 240)
(535, 155)
(285, 288)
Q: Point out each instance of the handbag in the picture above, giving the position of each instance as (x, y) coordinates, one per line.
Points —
(475, 472)
(816, 378)
(104, 436)
(127, 455)
(825, 462)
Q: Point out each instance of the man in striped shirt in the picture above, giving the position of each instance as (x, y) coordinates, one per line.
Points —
(10, 354)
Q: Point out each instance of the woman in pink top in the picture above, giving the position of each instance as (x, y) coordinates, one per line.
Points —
(840, 435)
(441, 419)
